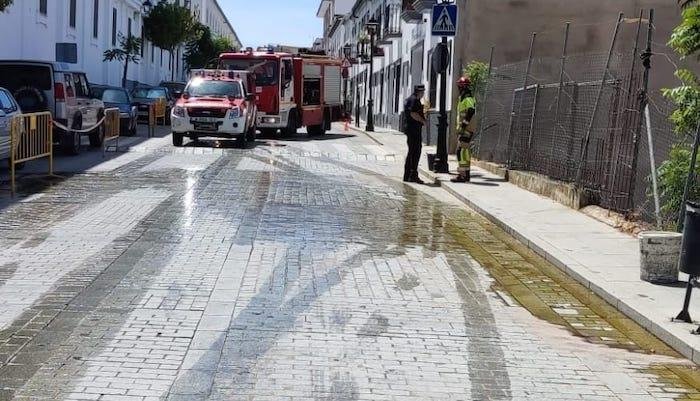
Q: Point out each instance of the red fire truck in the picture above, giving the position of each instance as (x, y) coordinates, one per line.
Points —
(292, 90)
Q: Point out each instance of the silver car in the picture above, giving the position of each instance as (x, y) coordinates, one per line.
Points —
(8, 109)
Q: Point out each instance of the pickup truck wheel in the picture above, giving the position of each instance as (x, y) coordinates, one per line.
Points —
(97, 137)
(177, 139)
(70, 141)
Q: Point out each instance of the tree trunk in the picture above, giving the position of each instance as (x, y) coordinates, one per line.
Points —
(126, 70)
(172, 65)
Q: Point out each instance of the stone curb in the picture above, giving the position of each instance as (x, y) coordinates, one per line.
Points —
(665, 335)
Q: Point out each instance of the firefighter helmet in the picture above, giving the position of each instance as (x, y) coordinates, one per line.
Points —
(464, 82)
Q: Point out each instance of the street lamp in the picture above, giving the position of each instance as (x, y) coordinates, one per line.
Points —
(147, 6)
(347, 52)
(371, 26)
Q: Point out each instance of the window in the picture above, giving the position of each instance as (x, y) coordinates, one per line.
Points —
(114, 27)
(80, 84)
(95, 18)
(150, 93)
(128, 28)
(161, 57)
(266, 72)
(153, 53)
(43, 7)
(143, 42)
(72, 13)
(200, 88)
(6, 104)
(113, 96)
(312, 92)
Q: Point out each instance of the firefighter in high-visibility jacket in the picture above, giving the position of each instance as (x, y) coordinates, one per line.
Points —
(466, 108)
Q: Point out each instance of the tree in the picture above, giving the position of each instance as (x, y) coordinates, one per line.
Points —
(4, 4)
(478, 72)
(168, 26)
(673, 172)
(203, 50)
(129, 51)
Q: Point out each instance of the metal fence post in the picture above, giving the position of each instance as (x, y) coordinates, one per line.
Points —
(652, 165)
(587, 138)
(643, 101)
(483, 108)
(520, 106)
(559, 89)
(614, 162)
(691, 177)
(533, 117)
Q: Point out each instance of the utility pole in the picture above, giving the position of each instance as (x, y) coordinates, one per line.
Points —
(444, 24)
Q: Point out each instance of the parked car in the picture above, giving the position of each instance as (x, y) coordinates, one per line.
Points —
(143, 97)
(176, 88)
(214, 106)
(115, 97)
(54, 87)
(8, 109)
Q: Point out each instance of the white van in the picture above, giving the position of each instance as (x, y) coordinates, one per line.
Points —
(48, 86)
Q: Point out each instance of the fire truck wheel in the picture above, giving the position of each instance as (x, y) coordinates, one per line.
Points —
(177, 139)
(241, 141)
(268, 132)
(291, 128)
(316, 130)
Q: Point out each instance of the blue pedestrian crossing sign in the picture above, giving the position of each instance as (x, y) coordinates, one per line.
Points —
(444, 20)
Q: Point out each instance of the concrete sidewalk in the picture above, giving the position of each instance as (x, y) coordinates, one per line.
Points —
(595, 254)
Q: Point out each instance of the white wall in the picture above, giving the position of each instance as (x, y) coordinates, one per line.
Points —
(29, 35)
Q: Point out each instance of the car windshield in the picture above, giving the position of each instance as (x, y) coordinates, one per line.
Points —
(150, 93)
(266, 71)
(206, 88)
(115, 96)
(174, 86)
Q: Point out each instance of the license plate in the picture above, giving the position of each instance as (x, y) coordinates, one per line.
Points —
(205, 127)
(203, 119)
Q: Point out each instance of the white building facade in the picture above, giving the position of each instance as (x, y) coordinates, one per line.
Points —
(79, 31)
(403, 53)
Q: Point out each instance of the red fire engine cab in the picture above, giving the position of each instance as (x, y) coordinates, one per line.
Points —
(292, 90)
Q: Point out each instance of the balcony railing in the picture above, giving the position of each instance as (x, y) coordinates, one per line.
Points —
(391, 23)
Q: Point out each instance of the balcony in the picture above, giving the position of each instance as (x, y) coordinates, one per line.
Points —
(391, 24)
(409, 13)
(423, 5)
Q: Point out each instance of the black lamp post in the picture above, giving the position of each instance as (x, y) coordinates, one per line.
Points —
(347, 50)
(371, 26)
(147, 6)
(357, 86)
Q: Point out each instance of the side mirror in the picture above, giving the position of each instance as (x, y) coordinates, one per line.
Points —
(250, 97)
(2, 113)
(177, 94)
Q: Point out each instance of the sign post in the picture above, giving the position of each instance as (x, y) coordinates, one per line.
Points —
(444, 24)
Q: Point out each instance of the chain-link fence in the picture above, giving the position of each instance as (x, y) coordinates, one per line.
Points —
(580, 118)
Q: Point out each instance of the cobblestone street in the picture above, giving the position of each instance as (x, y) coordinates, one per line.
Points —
(298, 269)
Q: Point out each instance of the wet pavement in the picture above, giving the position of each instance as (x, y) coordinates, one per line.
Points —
(298, 269)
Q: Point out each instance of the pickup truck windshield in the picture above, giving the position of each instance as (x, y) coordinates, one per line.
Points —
(266, 71)
(204, 88)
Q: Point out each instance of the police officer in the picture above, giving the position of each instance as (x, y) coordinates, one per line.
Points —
(415, 120)
(465, 112)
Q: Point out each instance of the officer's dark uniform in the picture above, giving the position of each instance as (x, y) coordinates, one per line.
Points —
(413, 130)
